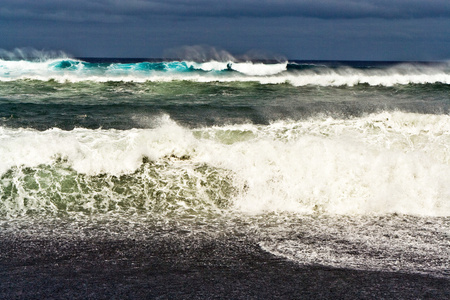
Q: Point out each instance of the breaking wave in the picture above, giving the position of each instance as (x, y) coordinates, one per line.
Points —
(295, 73)
(377, 164)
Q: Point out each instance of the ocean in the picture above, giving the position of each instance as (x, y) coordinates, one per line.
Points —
(146, 178)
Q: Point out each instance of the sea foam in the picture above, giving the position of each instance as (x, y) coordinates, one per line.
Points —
(73, 70)
(377, 164)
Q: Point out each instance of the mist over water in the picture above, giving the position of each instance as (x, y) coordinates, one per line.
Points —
(338, 164)
(31, 54)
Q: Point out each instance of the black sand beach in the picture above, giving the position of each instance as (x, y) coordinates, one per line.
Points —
(195, 267)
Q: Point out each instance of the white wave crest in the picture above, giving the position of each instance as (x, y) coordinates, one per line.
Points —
(56, 69)
(397, 75)
(246, 68)
(383, 163)
(259, 68)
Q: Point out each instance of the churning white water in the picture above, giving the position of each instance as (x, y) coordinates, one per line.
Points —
(381, 163)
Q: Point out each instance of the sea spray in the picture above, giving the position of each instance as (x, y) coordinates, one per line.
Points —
(76, 70)
(384, 163)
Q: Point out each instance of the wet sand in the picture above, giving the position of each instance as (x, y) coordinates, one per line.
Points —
(168, 267)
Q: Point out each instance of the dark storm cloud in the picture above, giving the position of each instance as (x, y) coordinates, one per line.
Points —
(300, 29)
(125, 10)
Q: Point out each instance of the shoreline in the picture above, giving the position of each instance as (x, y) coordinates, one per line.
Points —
(173, 267)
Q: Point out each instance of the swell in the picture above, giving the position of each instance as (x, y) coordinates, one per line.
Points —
(124, 105)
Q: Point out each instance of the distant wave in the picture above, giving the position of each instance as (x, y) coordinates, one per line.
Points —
(296, 74)
(56, 68)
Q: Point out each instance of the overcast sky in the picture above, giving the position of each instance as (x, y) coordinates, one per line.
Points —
(295, 29)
